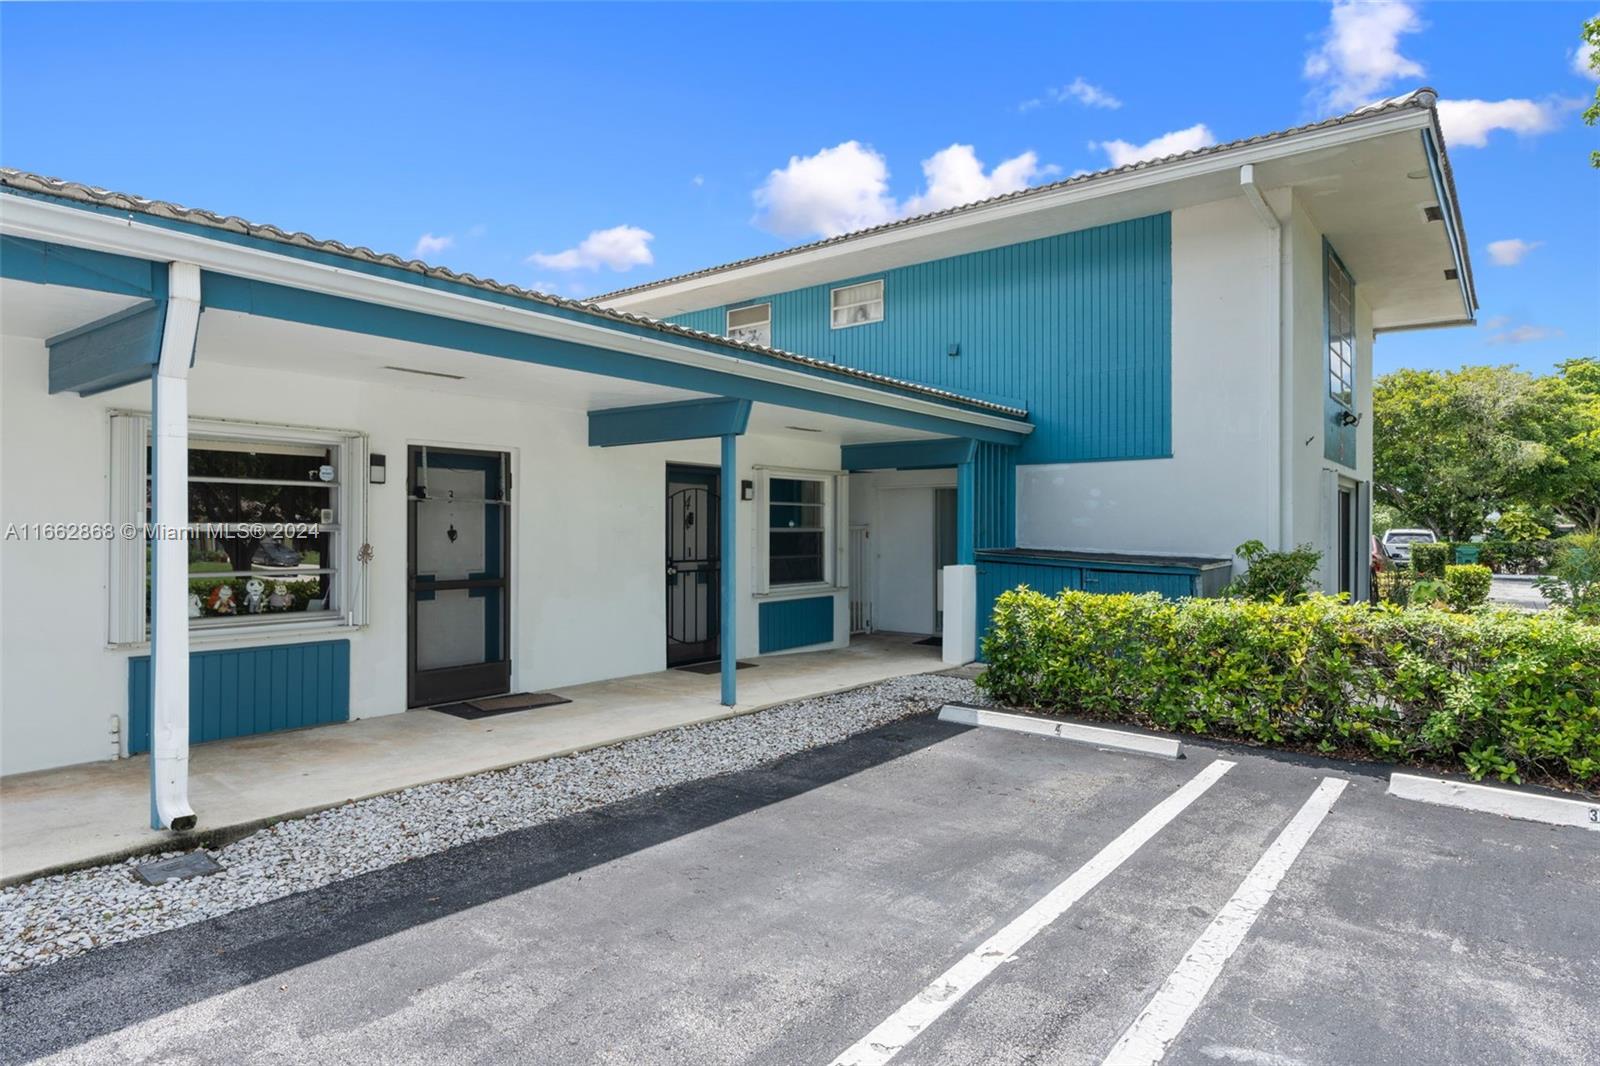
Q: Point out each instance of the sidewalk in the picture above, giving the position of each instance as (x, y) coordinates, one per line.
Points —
(97, 812)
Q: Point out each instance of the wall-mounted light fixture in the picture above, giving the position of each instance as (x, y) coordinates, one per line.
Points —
(747, 490)
(954, 350)
(1348, 418)
(377, 469)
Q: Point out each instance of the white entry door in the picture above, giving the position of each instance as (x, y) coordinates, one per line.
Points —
(905, 561)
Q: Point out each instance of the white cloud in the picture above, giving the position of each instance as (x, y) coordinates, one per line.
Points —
(1360, 53)
(846, 188)
(619, 248)
(1512, 251)
(955, 176)
(698, 180)
(1583, 59)
(1468, 123)
(1121, 153)
(839, 189)
(1526, 334)
(1497, 322)
(429, 245)
(1084, 92)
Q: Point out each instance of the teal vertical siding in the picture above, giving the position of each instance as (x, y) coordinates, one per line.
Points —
(995, 478)
(796, 623)
(1075, 327)
(242, 691)
(711, 320)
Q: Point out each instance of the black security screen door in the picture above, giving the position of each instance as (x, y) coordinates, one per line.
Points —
(459, 568)
(694, 565)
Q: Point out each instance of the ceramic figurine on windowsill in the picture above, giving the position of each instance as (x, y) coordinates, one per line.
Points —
(221, 600)
(280, 600)
(254, 598)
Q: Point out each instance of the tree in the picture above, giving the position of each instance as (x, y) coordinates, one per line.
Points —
(1451, 446)
(1591, 43)
(1569, 481)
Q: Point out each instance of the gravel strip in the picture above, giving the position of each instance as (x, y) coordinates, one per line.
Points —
(54, 918)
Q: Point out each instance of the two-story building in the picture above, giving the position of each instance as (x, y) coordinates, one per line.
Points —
(254, 480)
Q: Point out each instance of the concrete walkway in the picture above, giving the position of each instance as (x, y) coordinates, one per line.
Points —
(98, 812)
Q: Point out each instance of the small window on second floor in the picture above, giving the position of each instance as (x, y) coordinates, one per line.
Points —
(751, 325)
(857, 305)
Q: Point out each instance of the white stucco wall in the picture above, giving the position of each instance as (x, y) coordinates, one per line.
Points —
(588, 572)
(1314, 478)
(1216, 489)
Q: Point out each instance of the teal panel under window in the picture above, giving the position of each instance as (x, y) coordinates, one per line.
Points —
(239, 692)
(796, 623)
(1077, 328)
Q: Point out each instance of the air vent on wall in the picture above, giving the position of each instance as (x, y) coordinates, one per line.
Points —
(1451, 275)
(1433, 213)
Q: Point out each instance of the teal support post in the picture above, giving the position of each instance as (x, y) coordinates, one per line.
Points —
(730, 571)
(966, 516)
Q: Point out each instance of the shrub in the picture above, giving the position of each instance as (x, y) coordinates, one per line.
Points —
(1429, 560)
(1520, 556)
(1519, 524)
(1497, 692)
(1467, 586)
(1284, 576)
(1574, 577)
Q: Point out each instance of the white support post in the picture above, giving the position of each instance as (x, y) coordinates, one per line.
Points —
(960, 614)
(169, 581)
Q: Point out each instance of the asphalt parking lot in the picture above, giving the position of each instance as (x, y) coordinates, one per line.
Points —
(924, 893)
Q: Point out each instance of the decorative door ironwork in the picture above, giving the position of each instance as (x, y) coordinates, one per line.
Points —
(459, 575)
(694, 565)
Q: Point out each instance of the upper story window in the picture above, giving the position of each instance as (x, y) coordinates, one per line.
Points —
(751, 325)
(857, 305)
(1340, 296)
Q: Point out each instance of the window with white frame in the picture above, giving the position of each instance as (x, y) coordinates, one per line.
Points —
(857, 305)
(751, 325)
(798, 513)
(272, 513)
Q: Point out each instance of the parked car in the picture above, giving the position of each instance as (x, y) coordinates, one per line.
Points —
(1380, 562)
(1397, 542)
(275, 553)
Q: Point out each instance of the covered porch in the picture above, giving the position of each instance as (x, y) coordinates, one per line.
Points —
(79, 815)
(504, 493)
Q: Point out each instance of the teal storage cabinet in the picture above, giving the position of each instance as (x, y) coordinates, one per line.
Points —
(1050, 572)
(796, 623)
(238, 692)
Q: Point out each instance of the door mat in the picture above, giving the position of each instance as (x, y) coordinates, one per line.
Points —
(490, 706)
(933, 642)
(712, 667)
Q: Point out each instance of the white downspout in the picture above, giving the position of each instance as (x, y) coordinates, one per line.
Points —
(169, 631)
(1280, 468)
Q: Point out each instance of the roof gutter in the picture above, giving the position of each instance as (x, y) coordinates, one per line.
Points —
(43, 220)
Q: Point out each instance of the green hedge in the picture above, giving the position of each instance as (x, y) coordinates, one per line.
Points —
(1429, 559)
(1496, 692)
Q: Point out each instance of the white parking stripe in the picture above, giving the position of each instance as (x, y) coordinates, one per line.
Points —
(1152, 1032)
(901, 1027)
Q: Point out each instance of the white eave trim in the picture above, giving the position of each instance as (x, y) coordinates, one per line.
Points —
(1099, 188)
(60, 223)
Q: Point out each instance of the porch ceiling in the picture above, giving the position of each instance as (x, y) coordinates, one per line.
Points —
(235, 339)
(42, 311)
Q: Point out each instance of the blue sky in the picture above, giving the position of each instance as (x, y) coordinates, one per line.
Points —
(582, 148)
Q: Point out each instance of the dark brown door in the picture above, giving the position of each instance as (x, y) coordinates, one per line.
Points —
(459, 575)
(694, 565)
(1347, 540)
